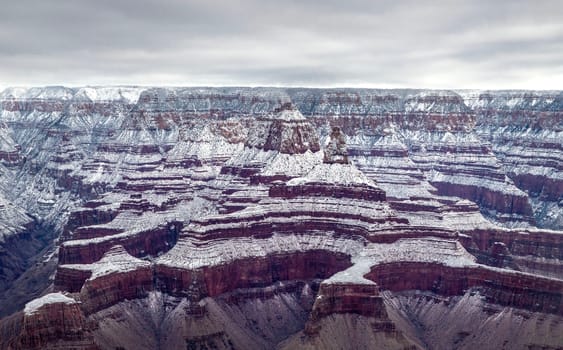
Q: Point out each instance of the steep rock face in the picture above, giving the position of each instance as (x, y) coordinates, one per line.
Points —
(362, 299)
(177, 206)
(435, 131)
(290, 133)
(525, 130)
(247, 273)
(9, 149)
(54, 321)
(342, 331)
(532, 251)
(336, 150)
(189, 269)
(55, 130)
(495, 287)
(115, 277)
(278, 147)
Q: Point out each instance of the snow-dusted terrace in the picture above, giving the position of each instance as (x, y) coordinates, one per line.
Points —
(116, 260)
(52, 298)
(192, 254)
(427, 250)
(339, 174)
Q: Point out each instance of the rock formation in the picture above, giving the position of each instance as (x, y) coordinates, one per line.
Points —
(213, 218)
(336, 150)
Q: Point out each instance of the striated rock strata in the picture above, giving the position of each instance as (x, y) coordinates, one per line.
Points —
(291, 218)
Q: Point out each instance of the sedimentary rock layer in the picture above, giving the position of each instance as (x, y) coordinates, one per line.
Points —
(192, 206)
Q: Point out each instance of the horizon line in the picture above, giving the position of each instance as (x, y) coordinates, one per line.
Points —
(276, 86)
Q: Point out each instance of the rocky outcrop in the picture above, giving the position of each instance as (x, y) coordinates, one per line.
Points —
(117, 276)
(150, 241)
(54, 321)
(362, 299)
(9, 149)
(247, 273)
(362, 304)
(524, 129)
(509, 289)
(320, 189)
(289, 133)
(336, 150)
(532, 251)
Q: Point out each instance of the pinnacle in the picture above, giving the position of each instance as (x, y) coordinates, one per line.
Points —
(336, 150)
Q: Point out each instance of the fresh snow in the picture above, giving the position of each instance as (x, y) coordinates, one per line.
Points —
(106, 94)
(292, 164)
(94, 94)
(116, 260)
(52, 298)
(341, 174)
(291, 114)
(429, 250)
(192, 254)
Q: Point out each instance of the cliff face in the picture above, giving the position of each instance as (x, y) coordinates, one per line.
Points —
(524, 129)
(409, 136)
(53, 321)
(216, 212)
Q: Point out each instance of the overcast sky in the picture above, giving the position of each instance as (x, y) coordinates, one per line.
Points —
(493, 44)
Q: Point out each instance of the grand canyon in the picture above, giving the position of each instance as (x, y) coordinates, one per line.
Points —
(288, 218)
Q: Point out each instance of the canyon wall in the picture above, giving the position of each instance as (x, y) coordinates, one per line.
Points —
(193, 206)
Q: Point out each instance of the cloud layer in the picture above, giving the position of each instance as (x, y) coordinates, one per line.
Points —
(385, 43)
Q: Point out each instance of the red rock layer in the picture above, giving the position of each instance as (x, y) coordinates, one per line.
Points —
(538, 251)
(497, 286)
(496, 200)
(108, 290)
(362, 299)
(359, 299)
(362, 192)
(55, 326)
(139, 244)
(248, 273)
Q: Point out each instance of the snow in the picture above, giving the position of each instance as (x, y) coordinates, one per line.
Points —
(53, 298)
(289, 115)
(116, 260)
(341, 174)
(46, 93)
(509, 99)
(427, 250)
(94, 94)
(129, 224)
(51, 93)
(275, 211)
(206, 146)
(495, 185)
(13, 218)
(13, 92)
(7, 143)
(193, 254)
(107, 94)
(516, 151)
(292, 164)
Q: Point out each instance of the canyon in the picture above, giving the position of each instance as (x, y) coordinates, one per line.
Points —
(290, 218)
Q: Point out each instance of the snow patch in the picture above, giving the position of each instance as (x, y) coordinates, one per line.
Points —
(341, 174)
(53, 298)
(429, 250)
(116, 260)
(290, 114)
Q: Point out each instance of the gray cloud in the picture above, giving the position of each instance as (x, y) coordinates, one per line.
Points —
(399, 43)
